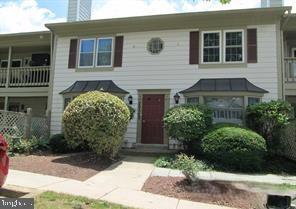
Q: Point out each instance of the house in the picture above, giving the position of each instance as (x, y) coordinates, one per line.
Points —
(225, 59)
(24, 83)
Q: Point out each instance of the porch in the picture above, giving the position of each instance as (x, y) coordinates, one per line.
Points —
(25, 60)
(38, 104)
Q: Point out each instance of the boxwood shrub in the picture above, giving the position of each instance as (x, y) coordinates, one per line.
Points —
(97, 119)
(235, 147)
(187, 122)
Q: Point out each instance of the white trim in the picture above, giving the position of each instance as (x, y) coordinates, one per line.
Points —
(243, 45)
(293, 52)
(97, 50)
(220, 47)
(21, 65)
(94, 51)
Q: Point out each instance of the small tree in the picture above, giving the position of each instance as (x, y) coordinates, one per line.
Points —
(268, 118)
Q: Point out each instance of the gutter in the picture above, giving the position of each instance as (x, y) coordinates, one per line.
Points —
(283, 64)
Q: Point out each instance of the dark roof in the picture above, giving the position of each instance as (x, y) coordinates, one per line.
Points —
(224, 84)
(98, 85)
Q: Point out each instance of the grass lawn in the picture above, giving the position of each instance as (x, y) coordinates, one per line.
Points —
(273, 165)
(52, 200)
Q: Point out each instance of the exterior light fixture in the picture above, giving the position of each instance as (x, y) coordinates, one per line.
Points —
(177, 98)
(130, 99)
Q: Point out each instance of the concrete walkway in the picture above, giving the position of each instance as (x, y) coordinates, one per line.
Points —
(221, 176)
(121, 183)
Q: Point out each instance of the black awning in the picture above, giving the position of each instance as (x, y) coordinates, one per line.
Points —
(224, 85)
(97, 85)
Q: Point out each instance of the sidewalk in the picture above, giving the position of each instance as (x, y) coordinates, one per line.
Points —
(121, 183)
(221, 176)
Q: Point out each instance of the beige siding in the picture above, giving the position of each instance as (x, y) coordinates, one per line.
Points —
(169, 70)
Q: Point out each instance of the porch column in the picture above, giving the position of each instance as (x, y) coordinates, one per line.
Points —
(6, 103)
(8, 66)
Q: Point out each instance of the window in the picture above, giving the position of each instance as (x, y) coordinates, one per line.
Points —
(104, 52)
(253, 100)
(86, 52)
(192, 100)
(4, 63)
(67, 101)
(211, 47)
(233, 42)
(16, 63)
(226, 109)
(155, 46)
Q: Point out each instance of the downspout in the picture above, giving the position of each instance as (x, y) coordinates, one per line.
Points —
(284, 23)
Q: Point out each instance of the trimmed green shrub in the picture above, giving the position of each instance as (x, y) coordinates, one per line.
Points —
(59, 144)
(97, 119)
(268, 118)
(236, 148)
(187, 122)
(222, 125)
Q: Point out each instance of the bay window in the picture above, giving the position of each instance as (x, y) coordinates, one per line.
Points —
(192, 100)
(211, 47)
(86, 52)
(226, 109)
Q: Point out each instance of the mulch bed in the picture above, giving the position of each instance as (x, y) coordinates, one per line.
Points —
(214, 192)
(78, 166)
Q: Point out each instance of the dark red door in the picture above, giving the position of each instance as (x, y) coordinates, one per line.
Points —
(152, 115)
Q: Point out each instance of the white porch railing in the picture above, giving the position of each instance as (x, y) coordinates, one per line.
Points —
(26, 77)
(227, 115)
(3, 73)
(290, 69)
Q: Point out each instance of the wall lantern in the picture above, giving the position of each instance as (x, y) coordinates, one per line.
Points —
(130, 99)
(177, 98)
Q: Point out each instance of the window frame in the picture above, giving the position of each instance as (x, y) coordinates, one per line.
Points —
(220, 46)
(243, 45)
(94, 52)
(97, 50)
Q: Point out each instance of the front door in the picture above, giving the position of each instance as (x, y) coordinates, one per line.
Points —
(152, 115)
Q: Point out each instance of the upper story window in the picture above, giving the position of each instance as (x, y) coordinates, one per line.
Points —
(86, 52)
(104, 52)
(211, 47)
(155, 45)
(233, 41)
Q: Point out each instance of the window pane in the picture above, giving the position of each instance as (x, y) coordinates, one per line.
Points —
(86, 59)
(104, 59)
(224, 102)
(104, 55)
(211, 47)
(86, 53)
(253, 100)
(105, 45)
(192, 100)
(234, 48)
(87, 46)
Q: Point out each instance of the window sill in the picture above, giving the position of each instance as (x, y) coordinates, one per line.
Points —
(223, 65)
(95, 69)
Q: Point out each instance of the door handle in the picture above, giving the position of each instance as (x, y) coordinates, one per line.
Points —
(143, 121)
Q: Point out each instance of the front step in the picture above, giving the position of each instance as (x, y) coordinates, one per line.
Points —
(148, 150)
